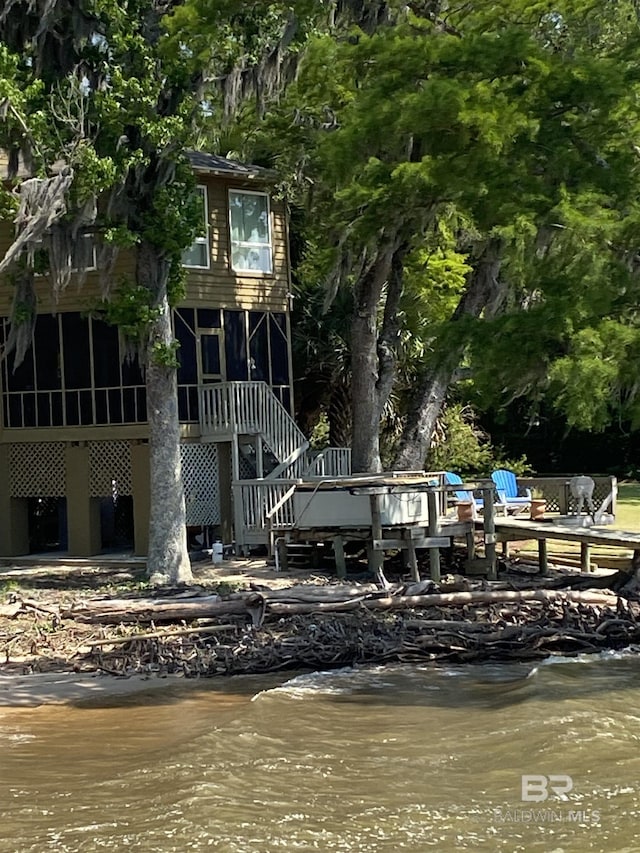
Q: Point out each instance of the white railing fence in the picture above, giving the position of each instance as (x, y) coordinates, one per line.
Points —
(329, 462)
(252, 408)
(260, 505)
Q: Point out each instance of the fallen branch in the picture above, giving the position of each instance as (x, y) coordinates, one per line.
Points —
(183, 609)
(158, 635)
(448, 599)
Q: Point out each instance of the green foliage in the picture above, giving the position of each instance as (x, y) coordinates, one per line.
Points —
(319, 438)
(511, 122)
(587, 383)
(463, 447)
(131, 309)
(8, 205)
(165, 355)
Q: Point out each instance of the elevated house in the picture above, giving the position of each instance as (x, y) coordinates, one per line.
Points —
(73, 437)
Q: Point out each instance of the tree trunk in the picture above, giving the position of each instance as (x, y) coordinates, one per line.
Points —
(483, 292)
(339, 415)
(168, 559)
(373, 354)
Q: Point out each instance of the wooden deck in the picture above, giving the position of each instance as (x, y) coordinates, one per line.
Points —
(434, 527)
(513, 530)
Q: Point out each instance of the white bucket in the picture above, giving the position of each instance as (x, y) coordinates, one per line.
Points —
(216, 552)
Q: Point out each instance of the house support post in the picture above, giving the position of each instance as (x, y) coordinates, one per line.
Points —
(14, 512)
(434, 526)
(489, 533)
(83, 511)
(225, 498)
(140, 479)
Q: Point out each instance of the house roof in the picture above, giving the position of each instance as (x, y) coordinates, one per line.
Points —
(202, 162)
(216, 165)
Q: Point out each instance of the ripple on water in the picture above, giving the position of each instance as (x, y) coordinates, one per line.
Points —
(365, 759)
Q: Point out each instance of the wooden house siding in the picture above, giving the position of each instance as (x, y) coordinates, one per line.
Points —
(73, 432)
(219, 285)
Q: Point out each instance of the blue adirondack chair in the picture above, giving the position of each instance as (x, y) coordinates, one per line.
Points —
(508, 492)
(452, 479)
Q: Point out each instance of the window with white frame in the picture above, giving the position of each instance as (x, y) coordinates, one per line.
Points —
(197, 255)
(83, 254)
(250, 223)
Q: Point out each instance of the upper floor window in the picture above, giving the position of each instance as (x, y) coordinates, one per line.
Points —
(250, 231)
(83, 254)
(197, 255)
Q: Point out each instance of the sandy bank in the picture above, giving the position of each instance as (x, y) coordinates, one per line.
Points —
(58, 688)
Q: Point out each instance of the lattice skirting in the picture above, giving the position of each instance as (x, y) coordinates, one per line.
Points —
(109, 468)
(37, 470)
(201, 483)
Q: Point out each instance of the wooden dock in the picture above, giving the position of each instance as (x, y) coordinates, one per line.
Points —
(514, 530)
(434, 528)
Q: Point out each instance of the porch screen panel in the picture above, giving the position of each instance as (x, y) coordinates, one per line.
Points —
(259, 346)
(279, 349)
(235, 342)
(131, 371)
(185, 335)
(77, 356)
(106, 355)
(47, 352)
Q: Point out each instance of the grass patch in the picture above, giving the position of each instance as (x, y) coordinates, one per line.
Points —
(628, 507)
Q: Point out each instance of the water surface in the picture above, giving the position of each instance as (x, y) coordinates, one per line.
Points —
(391, 758)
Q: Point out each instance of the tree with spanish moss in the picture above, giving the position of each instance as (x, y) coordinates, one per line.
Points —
(99, 101)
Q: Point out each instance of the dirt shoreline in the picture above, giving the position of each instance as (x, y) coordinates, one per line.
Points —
(58, 646)
(23, 686)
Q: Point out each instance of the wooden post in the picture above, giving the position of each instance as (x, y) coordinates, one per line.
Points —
(542, 556)
(471, 545)
(433, 525)
(585, 557)
(282, 554)
(564, 498)
(412, 558)
(489, 533)
(376, 558)
(338, 555)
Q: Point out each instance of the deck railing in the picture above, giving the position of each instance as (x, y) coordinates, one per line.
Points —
(251, 408)
(329, 462)
(557, 494)
(259, 506)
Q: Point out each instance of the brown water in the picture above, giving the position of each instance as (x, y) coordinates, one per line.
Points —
(376, 759)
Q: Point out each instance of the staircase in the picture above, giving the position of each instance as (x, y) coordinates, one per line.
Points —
(251, 408)
(268, 442)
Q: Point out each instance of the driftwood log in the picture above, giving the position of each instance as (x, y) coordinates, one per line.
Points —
(307, 626)
(297, 602)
